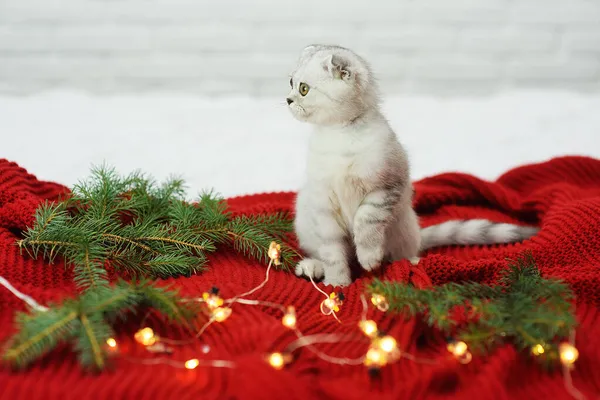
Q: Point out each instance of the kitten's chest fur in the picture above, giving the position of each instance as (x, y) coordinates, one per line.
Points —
(343, 167)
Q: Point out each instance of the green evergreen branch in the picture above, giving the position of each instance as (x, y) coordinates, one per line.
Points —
(168, 302)
(112, 304)
(85, 321)
(93, 341)
(175, 242)
(25, 348)
(143, 230)
(524, 307)
(121, 239)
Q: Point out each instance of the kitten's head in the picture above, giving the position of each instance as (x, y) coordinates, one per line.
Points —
(331, 85)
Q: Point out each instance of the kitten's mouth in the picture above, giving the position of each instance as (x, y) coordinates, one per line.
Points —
(298, 111)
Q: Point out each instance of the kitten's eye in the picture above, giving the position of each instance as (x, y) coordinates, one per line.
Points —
(291, 82)
(303, 89)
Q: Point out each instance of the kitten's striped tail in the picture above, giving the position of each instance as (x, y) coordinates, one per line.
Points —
(473, 232)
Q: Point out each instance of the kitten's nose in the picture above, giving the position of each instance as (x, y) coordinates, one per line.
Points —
(290, 101)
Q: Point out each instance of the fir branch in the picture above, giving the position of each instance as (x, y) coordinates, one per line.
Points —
(90, 337)
(85, 321)
(179, 243)
(163, 266)
(89, 272)
(167, 301)
(524, 307)
(121, 239)
(39, 334)
(111, 301)
(145, 229)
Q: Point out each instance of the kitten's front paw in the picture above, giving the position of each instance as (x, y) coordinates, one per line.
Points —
(310, 268)
(414, 260)
(369, 258)
(339, 277)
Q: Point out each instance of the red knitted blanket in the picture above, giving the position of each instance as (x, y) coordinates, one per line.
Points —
(561, 195)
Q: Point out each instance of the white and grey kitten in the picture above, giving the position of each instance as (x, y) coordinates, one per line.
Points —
(357, 199)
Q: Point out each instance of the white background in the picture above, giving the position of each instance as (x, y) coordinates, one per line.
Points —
(248, 46)
(243, 145)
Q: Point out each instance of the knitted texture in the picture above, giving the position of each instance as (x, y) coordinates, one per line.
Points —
(561, 195)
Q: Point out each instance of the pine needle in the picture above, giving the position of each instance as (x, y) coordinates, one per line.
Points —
(523, 308)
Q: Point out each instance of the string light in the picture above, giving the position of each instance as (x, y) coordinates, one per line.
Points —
(383, 350)
(369, 327)
(537, 350)
(380, 302)
(568, 354)
(289, 318)
(332, 301)
(274, 253)
(145, 336)
(387, 344)
(189, 364)
(221, 314)
(159, 347)
(310, 340)
(214, 303)
(458, 348)
(461, 351)
(192, 363)
(212, 298)
(27, 299)
(279, 360)
(332, 304)
(375, 358)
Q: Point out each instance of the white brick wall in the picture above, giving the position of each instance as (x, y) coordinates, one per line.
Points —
(249, 46)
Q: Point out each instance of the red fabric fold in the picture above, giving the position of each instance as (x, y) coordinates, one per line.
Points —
(562, 196)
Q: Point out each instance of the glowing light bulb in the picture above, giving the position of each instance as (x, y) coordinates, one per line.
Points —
(537, 350)
(145, 336)
(380, 302)
(111, 342)
(275, 253)
(568, 354)
(332, 304)
(457, 348)
(192, 363)
(212, 302)
(460, 350)
(375, 358)
(289, 319)
(369, 327)
(278, 360)
(327, 306)
(387, 344)
(212, 298)
(221, 314)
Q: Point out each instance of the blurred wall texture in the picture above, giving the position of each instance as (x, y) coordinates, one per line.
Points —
(249, 46)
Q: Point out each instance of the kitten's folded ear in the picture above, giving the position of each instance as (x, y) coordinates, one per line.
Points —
(338, 67)
(309, 50)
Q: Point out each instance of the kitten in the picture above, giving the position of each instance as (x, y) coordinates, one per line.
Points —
(357, 200)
